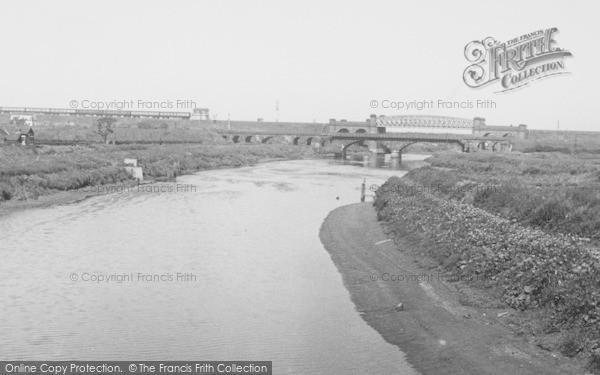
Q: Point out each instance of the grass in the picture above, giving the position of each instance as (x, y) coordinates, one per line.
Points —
(73, 157)
(31, 172)
(581, 144)
(522, 227)
(141, 132)
(553, 191)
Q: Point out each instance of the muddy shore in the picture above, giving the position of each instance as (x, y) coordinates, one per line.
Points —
(437, 333)
(77, 195)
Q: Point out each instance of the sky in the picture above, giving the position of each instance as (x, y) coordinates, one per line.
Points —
(314, 60)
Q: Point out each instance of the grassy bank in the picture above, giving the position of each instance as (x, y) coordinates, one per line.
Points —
(553, 191)
(32, 172)
(521, 227)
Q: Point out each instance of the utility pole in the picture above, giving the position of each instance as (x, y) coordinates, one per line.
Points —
(277, 111)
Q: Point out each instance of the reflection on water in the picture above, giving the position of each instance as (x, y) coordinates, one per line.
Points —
(263, 286)
(386, 161)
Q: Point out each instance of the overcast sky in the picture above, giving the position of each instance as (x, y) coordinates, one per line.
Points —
(318, 59)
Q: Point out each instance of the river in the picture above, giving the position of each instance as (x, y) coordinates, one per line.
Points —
(230, 267)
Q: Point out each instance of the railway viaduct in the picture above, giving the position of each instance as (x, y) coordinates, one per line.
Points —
(394, 134)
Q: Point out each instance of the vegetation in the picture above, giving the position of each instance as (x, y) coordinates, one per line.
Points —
(132, 130)
(523, 227)
(585, 142)
(104, 127)
(28, 173)
(553, 191)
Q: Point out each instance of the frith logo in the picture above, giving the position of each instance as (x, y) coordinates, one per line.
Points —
(515, 63)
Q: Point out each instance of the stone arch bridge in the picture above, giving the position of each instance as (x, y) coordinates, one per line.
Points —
(394, 134)
(429, 124)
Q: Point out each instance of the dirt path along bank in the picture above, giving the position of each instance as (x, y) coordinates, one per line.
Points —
(437, 333)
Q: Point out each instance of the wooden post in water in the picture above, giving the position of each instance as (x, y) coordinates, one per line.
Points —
(362, 190)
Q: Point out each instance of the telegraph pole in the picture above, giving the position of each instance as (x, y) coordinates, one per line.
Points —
(277, 111)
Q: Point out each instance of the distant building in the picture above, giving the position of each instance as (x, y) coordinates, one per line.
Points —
(516, 132)
(200, 114)
(23, 139)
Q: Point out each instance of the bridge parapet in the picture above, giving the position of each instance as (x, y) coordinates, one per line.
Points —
(432, 137)
(270, 133)
(417, 121)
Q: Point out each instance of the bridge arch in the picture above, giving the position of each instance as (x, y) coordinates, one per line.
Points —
(343, 130)
(248, 139)
(386, 149)
(235, 139)
(360, 142)
(405, 146)
(360, 131)
(295, 140)
(309, 141)
(266, 139)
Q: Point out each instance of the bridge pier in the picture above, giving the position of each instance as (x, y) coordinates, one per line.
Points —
(376, 147)
(372, 146)
(375, 142)
(397, 154)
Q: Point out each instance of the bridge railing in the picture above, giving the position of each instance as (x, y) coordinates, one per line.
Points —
(425, 137)
(275, 133)
(431, 137)
(444, 136)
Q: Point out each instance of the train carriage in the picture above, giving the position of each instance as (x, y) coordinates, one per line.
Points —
(59, 111)
(145, 113)
(37, 110)
(89, 112)
(11, 109)
(175, 114)
(112, 113)
(95, 112)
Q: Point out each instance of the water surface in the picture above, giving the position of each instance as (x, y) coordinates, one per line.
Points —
(255, 283)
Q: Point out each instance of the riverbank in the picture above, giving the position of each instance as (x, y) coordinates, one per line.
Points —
(49, 175)
(521, 230)
(438, 333)
(553, 191)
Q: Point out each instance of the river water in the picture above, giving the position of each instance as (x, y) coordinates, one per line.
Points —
(229, 268)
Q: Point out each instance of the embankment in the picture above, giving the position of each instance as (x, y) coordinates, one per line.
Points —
(27, 173)
(520, 230)
(436, 332)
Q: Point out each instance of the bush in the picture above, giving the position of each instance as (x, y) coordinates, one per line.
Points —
(526, 267)
(532, 170)
(594, 364)
(6, 194)
(548, 213)
(144, 125)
